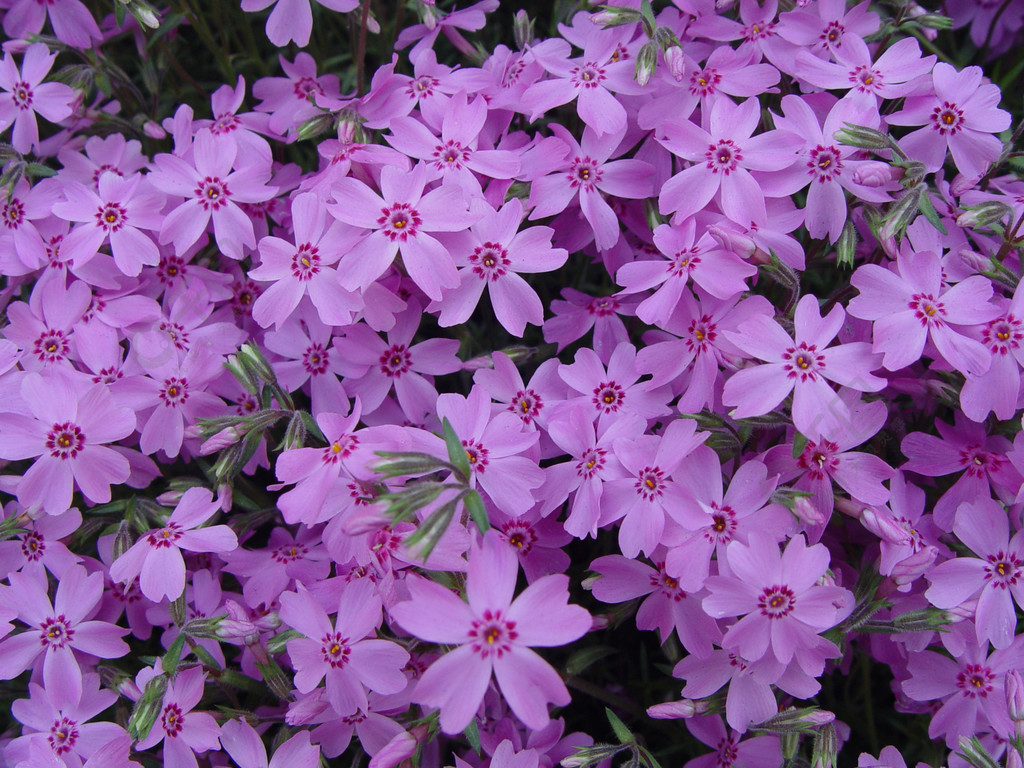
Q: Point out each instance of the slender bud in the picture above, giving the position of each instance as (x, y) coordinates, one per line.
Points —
(153, 130)
(862, 137)
(912, 568)
(401, 747)
(122, 539)
(675, 62)
(276, 679)
(676, 710)
(983, 214)
(902, 213)
(884, 526)
(974, 752)
(646, 61)
(740, 244)
(792, 720)
(875, 173)
(522, 29)
(1015, 696)
(615, 16)
(147, 709)
(221, 440)
(826, 748)
(846, 248)
(315, 126)
(250, 356)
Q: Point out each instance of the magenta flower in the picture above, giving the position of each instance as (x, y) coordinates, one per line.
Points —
(491, 254)
(292, 20)
(801, 367)
(305, 268)
(494, 442)
(667, 606)
(117, 214)
(722, 158)
(67, 422)
(971, 688)
(182, 730)
(962, 114)
(339, 651)
(401, 219)
(65, 730)
(287, 99)
(783, 607)
(25, 94)
(212, 191)
(914, 305)
(246, 748)
(998, 389)
(58, 630)
(580, 312)
(729, 751)
(494, 633)
(156, 556)
(997, 572)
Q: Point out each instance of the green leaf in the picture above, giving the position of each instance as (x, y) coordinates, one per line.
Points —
(120, 12)
(173, 655)
(456, 450)
(475, 505)
(799, 444)
(930, 213)
(472, 734)
(582, 659)
(622, 733)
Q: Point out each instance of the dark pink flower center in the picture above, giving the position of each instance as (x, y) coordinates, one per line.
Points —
(832, 35)
(179, 336)
(668, 585)
(608, 397)
(212, 193)
(584, 172)
(165, 537)
(927, 309)
(865, 79)
(289, 553)
(450, 155)
(492, 634)
(63, 735)
(171, 269)
(33, 546)
(225, 123)
(824, 163)
(51, 346)
(315, 359)
(1002, 569)
(803, 362)
(243, 294)
(477, 455)
(399, 221)
(776, 601)
(702, 333)
(340, 449)
(759, 31)
(305, 86)
(335, 649)
(21, 94)
(526, 404)
(174, 391)
(490, 261)
(589, 75)
(723, 157)
(705, 82)
(396, 361)
(603, 307)
(591, 462)
(819, 459)
(723, 525)
(1003, 335)
(13, 213)
(947, 119)
(684, 261)
(172, 720)
(55, 632)
(422, 87)
(978, 462)
(65, 440)
(306, 262)
(105, 168)
(520, 535)
(650, 483)
(975, 681)
(728, 751)
(111, 217)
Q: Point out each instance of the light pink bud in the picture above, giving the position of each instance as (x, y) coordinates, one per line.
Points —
(153, 130)
(221, 440)
(675, 62)
(742, 245)
(912, 568)
(1015, 695)
(884, 526)
(806, 512)
(400, 748)
(169, 498)
(677, 710)
(875, 173)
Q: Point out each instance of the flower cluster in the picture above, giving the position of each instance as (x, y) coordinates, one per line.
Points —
(279, 474)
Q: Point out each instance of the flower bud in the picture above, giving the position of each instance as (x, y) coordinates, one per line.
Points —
(220, 441)
(615, 16)
(862, 137)
(914, 567)
(875, 173)
(646, 61)
(984, 214)
(794, 720)
(675, 62)
(1015, 695)
(826, 748)
(902, 213)
(676, 710)
(147, 709)
(522, 29)
(974, 752)
(401, 747)
(924, 620)
(740, 244)
(153, 130)
(884, 526)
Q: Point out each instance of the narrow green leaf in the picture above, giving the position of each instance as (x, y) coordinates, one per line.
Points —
(930, 213)
(622, 733)
(475, 505)
(472, 734)
(173, 655)
(799, 444)
(456, 450)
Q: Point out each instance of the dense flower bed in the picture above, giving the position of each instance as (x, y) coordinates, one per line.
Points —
(736, 426)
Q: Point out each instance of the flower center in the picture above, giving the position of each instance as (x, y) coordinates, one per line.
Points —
(213, 194)
(65, 440)
(51, 346)
(174, 392)
(526, 404)
(803, 362)
(335, 649)
(492, 634)
(315, 359)
(490, 261)
(21, 95)
(164, 537)
(723, 157)
(55, 632)
(608, 397)
(396, 361)
(824, 163)
(111, 217)
(947, 119)
(63, 735)
(33, 546)
(584, 172)
(172, 720)
(927, 309)
(450, 155)
(705, 82)
(520, 535)
(587, 76)
(306, 262)
(477, 455)
(975, 681)
(399, 221)
(650, 483)
(776, 601)
(591, 462)
(340, 449)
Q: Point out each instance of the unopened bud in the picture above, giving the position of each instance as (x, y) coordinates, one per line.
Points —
(203, 628)
(276, 679)
(677, 710)
(826, 747)
(902, 213)
(615, 16)
(522, 29)
(122, 540)
(675, 62)
(875, 173)
(252, 359)
(884, 526)
(974, 752)
(846, 248)
(740, 244)
(792, 720)
(1015, 695)
(147, 709)
(295, 434)
(221, 440)
(315, 126)
(910, 569)
(153, 130)
(429, 17)
(862, 137)
(646, 61)
(401, 747)
(984, 214)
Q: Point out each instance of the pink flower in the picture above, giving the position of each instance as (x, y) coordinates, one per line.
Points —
(783, 608)
(58, 630)
(157, 554)
(962, 114)
(246, 748)
(67, 422)
(494, 634)
(339, 651)
(25, 94)
(182, 730)
(71, 21)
